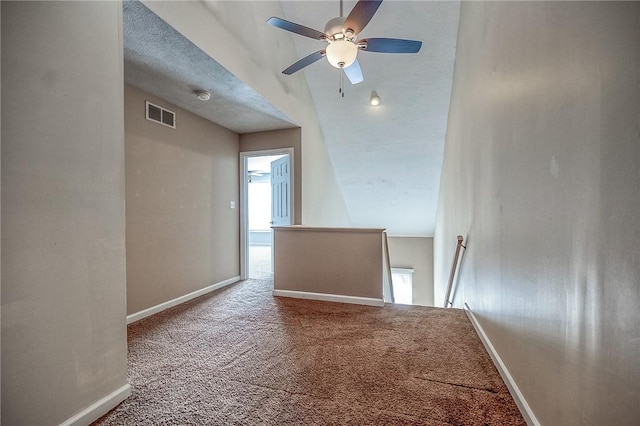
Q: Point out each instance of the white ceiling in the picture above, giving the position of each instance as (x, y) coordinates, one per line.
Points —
(262, 163)
(387, 159)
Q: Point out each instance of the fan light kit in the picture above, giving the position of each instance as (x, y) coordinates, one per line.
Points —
(342, 53)
(341, 34)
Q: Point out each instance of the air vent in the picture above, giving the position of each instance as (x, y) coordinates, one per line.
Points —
(161, 115)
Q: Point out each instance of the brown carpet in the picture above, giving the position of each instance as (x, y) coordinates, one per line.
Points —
(239, 356)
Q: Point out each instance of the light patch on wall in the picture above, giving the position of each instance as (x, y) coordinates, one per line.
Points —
(402, 279)
(554, 168)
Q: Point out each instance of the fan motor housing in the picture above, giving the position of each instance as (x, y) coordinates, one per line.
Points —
(335, 27)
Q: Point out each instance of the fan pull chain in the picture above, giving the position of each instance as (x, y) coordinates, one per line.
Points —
(341, 89)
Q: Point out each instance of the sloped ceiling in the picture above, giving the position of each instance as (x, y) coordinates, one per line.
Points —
(387, 159)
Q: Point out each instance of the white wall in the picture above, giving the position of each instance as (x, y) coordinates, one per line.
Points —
(541, 172)
(328, 261)
(236, 35)
(415, 253)
(63, 243)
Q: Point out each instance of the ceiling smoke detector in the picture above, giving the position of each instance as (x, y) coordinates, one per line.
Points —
(203, 95)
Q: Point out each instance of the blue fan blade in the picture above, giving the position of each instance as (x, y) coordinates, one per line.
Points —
(354, 73)
(360, 15)
(307, 60)
(391, 45)
(296, 28)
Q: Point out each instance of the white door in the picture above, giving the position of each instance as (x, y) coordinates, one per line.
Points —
(280, 198)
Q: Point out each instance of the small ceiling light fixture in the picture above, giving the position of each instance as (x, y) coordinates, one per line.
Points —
(375, 99)
(203, 95)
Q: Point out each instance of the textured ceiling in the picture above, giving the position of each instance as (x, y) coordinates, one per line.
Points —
(159, 60)
(387, 159)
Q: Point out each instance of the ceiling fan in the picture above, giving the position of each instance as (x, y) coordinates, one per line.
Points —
(341, 34)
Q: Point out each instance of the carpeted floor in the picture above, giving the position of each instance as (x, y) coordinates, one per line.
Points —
(239, 356)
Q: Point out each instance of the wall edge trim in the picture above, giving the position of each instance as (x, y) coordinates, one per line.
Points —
(178, 300)
(99, 408)
(325, 297)
(514, 390)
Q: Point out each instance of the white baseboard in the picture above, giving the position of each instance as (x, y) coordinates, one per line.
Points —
(99, 408)
(522, 404)
(329, 297)
(178, 300)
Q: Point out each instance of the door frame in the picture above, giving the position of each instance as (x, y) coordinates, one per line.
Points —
(244, 199)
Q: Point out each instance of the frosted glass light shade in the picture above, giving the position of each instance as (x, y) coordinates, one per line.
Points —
(342, 53)
(375, 99)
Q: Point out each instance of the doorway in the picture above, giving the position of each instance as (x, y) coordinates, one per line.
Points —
(266, 200)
